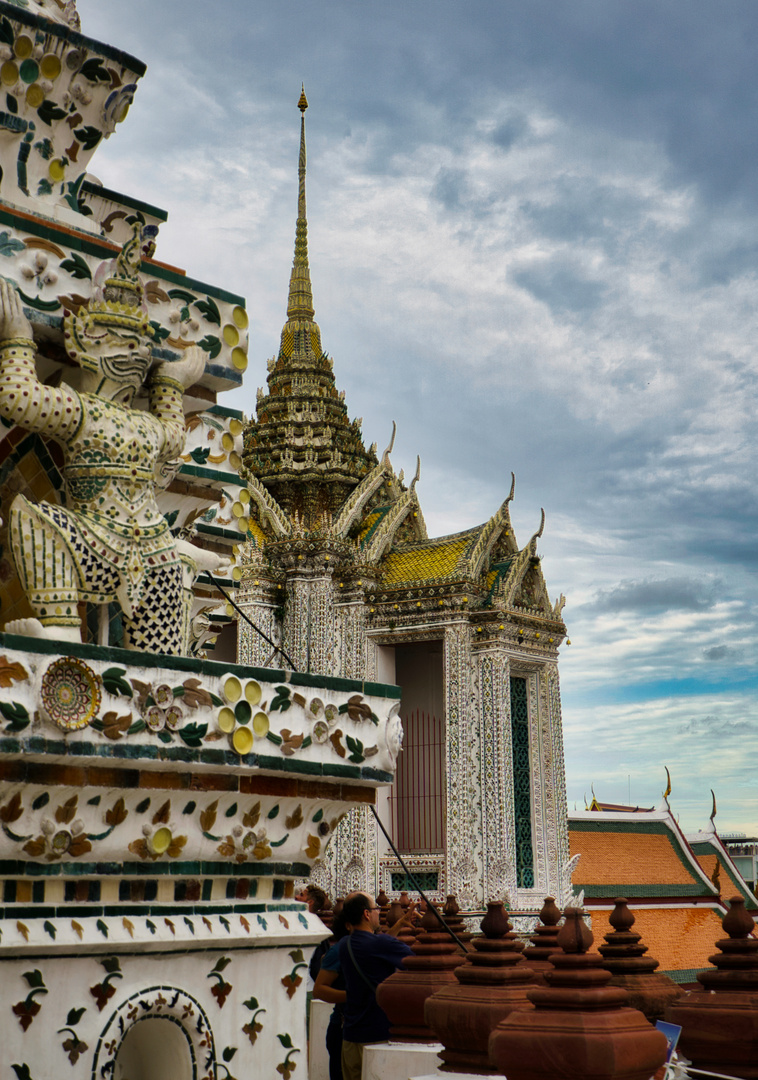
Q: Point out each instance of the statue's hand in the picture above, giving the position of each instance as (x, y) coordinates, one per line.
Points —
(188, 370)
(210, 561)
(13, 322)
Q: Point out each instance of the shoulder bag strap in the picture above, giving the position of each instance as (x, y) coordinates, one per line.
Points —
(369, 984)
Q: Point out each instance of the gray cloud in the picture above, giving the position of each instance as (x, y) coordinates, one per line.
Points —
(533, 233)
(657, 595)
(562, 287)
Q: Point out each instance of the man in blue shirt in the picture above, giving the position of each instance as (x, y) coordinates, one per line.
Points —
(366, 959)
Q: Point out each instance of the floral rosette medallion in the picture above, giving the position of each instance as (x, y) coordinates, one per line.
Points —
(70, 693)
(235, 718)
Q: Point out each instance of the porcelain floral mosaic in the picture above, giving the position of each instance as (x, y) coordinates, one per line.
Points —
(94, 704)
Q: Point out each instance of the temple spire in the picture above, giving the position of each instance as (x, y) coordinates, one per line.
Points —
(300, 301)
(304, 449)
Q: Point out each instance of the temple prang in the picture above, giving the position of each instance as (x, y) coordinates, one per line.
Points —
(337, 567)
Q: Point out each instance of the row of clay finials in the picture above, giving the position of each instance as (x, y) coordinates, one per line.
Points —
(548, 1006)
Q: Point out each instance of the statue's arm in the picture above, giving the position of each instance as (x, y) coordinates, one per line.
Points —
(167, 388)
(24, 400)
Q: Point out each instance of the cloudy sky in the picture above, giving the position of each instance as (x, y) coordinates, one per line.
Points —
(533, 240)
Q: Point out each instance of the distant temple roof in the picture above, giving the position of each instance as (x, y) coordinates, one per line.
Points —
(635, 855)
(675, 891)
(617, 808)
(430, 560)
(680, 938)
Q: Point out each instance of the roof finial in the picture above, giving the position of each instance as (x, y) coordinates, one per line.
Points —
(300, 302)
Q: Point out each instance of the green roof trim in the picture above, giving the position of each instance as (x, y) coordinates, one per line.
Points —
(212, 474)
(264, 763)
(704, 848)
(125, 200)
(382, 511)
(25, 868)
(603, 824)
(501, 569)
(685, 975)
(222, 410)
(640, 892)
(220, 530)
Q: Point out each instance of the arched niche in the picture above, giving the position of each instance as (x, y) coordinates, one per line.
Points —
(156, 1017)
(156, 1048)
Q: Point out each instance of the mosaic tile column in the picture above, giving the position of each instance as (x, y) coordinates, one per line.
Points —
(350, 641)
(309, 636)
(554, 807)
(496, 774)
(259, 603)
(352, 854)
(463, 851)
(547, 785)
(351, 862)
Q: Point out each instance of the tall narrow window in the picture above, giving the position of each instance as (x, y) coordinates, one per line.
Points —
(522, 786)
(418, 798)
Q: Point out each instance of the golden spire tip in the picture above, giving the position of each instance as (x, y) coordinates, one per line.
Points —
(303, 102)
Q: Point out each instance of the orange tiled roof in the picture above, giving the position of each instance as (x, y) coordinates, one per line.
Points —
(708, 864)
(680, 939)
(632, 858)
(610, 858)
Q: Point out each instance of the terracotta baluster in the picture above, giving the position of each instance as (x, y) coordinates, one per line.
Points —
(624, 957)
(403, 994)
(490, 985)
(720, 1029)
(457, 924)
(580, 1028)
(544, 940)
(383, 902)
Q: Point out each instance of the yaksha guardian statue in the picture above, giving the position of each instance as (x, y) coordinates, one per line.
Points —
(110, 541)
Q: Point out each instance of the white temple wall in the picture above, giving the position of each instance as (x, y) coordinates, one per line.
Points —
(142, 1015)
(384, 660)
